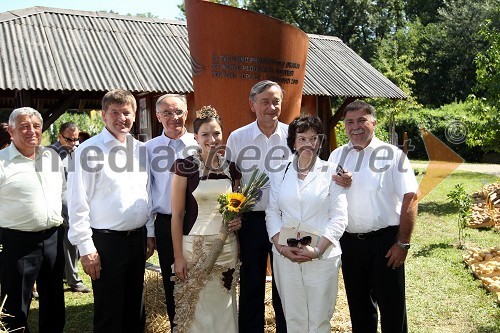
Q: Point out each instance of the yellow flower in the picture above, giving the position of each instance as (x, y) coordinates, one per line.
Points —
(235, 201)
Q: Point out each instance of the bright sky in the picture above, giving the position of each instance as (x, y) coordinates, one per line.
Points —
(165, 9)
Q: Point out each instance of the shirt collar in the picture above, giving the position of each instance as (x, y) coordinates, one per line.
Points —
(108, 137)
(183, 137)
(13, 152)
(374, 143)
(256, 130)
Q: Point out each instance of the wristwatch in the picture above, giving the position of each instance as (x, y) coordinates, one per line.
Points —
(405, 246)
(318, 252)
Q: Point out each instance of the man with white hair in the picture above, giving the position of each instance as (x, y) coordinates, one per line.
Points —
(32, 190)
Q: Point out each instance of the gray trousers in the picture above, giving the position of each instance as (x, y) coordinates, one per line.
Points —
(71, 257)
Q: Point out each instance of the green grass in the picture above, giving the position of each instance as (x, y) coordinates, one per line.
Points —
(442, 295)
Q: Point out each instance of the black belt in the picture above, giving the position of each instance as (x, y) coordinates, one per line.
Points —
(371, 234)
(118, 232)
(41, 232)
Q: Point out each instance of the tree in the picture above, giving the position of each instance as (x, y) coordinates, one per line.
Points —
(425, 11)
(450, 46)
(358, 23)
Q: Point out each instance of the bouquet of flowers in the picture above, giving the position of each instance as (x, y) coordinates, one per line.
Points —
(231, 206)
(234, 204)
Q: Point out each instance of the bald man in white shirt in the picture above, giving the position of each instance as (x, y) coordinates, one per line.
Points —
(173, 143)
(382, 209)
(108, 212)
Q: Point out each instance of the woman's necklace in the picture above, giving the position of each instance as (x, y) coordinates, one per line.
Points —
(204, 169)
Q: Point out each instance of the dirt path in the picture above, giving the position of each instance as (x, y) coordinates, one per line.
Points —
(490, 169)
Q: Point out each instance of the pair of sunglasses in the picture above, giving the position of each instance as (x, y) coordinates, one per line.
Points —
(294, 242)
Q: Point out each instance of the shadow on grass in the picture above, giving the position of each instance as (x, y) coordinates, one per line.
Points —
(78, 319)
(436, 208)
(426, 251)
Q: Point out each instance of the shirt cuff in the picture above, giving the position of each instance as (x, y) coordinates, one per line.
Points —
(86, 247)
(150, 230)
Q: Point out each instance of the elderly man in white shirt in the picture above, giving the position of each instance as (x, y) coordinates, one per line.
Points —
(174, 142)
(108, 211)
(32, 190)
(261, 144)
(382, 208)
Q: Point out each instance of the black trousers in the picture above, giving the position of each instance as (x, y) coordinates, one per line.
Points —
(26, 257)
(164, 246)
(254, 249)
(118, 293)
(370, 283)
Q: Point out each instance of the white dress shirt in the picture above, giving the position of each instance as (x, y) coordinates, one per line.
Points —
(382, 175)
(315, 201)
(107, 189)
(161, 156)
(31, 191)
(249, 148)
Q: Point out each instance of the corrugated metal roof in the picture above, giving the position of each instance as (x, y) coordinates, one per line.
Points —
(56, 49)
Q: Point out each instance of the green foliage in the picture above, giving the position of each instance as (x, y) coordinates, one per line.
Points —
(483, 124)
(449, 46)
(488, 63)
(463, 203)
(359, 23)
(93, 124)
(480, 130)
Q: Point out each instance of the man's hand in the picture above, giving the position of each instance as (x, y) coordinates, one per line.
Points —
(343, 179)
(92, 265)
(150, 247)
(396, 255)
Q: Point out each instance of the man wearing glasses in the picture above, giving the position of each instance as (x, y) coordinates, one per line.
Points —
(171, 112)
(66, 144)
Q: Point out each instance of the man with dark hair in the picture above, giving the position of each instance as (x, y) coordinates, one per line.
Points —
(67, 141)
(260, 144)
(108, 202)
(32, 190)
(382, 209)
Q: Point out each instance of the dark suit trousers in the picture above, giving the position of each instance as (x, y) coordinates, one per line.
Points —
(118, 293)
(164, 246)
(30, 256)
(254, 249)
(370, 283)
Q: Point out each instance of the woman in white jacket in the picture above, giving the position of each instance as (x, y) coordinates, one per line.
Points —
(310, 212)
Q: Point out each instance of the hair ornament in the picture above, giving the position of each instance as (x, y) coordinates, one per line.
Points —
(207, 112)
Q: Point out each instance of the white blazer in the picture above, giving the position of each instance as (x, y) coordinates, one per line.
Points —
(316, 201)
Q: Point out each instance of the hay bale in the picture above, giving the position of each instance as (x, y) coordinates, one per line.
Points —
(157, 319)
(154, 300)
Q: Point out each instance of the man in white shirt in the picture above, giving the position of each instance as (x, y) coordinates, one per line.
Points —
(382, 207)
(32, 190)
(173, 143)
(262, 145)
(65, 146)
(108, 211)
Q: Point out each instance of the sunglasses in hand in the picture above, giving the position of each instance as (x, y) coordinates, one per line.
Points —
(294, 242)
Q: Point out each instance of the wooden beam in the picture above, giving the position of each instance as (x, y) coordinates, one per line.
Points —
(59, 108)
(334, 120)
